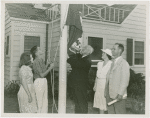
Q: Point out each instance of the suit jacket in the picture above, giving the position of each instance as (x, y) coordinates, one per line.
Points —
(80, 69)
(118, 78)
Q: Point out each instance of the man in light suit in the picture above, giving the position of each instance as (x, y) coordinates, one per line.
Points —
(117, 81)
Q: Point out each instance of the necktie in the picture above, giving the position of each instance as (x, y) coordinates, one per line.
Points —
(112, 65)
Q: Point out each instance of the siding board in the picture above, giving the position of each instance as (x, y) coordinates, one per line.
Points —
(7, 59)
(25, 29)
(134, 27)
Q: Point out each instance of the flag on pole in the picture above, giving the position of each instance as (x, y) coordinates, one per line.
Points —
(74, 21)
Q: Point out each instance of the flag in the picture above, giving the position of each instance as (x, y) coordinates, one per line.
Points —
(75, 28)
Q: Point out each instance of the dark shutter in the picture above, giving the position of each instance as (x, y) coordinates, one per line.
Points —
(7, 46)
(130, 51)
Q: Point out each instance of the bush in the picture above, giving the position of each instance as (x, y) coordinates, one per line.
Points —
(136, 91)
(12, 88)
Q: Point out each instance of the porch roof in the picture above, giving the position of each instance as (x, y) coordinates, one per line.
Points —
(26, 11)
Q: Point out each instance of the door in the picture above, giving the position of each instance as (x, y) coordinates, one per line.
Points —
(30, 41)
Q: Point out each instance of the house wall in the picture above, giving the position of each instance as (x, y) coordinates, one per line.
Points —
(133, 27)
(53, 42)
(20, 29)
(7, 58)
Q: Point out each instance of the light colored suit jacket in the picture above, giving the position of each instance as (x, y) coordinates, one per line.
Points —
(118, 78)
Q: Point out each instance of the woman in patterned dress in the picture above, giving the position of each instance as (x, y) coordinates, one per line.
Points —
(40, 71)
(26, 94)
(99, 87)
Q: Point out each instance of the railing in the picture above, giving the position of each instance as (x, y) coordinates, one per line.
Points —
(94, 12)
(53, 12)
(104, 13)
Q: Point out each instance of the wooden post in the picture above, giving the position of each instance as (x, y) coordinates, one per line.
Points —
(63, 63)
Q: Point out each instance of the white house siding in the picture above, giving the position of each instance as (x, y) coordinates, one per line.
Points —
(53, 42)
(133, 27)
(7, 58)
(20, 29)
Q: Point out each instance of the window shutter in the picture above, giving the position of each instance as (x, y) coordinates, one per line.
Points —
(130, 51)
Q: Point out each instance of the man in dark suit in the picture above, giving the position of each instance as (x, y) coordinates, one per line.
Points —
(78, 78)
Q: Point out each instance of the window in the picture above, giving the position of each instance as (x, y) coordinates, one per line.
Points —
(138, 53)
(97, 44)
(7, 46)
(30, 41)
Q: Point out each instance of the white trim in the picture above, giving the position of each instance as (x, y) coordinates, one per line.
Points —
(28, 34)
(27, 20)
(96, 60)
(137, 52)
(11, 51)
(93, 65)
(86, 35)
(101, 22)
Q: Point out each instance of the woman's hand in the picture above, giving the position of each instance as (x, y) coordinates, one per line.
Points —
(29, 99)
(94, 88)
(52, 65)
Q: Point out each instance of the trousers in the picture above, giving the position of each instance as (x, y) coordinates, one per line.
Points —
(41, 91)
(116, 108)
(80, 99)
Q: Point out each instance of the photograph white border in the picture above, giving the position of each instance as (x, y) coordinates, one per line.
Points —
(73, 115)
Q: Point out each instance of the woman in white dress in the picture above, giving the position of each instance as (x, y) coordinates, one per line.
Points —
(26, 95)
(99, 87)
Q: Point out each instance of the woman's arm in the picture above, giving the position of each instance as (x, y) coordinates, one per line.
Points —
(47, 71)
(95, 85)
(25, 86)
(39, 66)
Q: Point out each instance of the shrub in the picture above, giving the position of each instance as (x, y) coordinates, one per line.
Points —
(12, 88)
(136, 91)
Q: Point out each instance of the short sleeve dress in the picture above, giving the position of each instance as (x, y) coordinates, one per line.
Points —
(26, 74)
(99, 99)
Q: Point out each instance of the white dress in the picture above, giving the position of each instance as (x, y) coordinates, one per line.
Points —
(99, 99)
(24, 106)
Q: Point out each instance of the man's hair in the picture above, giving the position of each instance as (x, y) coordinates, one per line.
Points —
(120, 46)
(33, 51)
(87, 49)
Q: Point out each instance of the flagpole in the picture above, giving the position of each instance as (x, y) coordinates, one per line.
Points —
(62, 63)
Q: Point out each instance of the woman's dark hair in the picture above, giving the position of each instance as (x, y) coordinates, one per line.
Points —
(33, 51)
(25, 59)
(109, 57)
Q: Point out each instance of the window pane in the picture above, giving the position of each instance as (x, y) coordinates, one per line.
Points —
(30, 41)
(139, 59)
(139, 46)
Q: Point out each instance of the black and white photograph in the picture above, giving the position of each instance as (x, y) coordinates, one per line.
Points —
(75, 58)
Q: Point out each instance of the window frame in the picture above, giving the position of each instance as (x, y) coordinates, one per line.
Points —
(85, 41)
(138, 52)
(7, 55)
(31, 36)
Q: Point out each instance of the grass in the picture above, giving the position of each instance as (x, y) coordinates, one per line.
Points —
(11, 106)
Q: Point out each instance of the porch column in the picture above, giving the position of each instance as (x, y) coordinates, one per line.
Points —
(63, 63)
